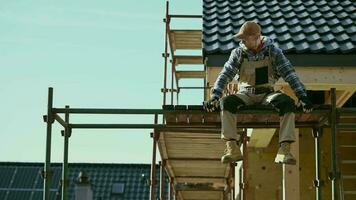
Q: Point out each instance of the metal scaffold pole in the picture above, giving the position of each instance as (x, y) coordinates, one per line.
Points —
(317, 181)
(66, 134)
(334, 174)
(47, 166)
(165, 55)
(153, 182)
(161, 188)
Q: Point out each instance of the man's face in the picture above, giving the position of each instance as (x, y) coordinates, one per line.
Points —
(251, 42)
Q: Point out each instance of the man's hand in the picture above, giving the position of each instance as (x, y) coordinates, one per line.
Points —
(212, 104)
(306, 104)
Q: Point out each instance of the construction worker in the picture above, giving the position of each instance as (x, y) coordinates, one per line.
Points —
(257, 64)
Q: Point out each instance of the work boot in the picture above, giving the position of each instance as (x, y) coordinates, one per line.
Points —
(284, 156)
(232, 152)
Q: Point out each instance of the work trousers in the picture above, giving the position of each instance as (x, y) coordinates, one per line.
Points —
(283, 103)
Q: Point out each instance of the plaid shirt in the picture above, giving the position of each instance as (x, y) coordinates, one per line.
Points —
(280, 65)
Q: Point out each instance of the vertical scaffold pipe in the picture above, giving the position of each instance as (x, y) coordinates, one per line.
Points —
(162, 165)
(317, 134)
(153, 168)
(334, 159)
(65, 157)
(244, 165)
(47, 165)
(165, 53)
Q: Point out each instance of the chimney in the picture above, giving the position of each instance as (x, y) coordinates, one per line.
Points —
(83, 189)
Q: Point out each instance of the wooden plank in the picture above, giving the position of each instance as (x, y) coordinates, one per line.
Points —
(217, 181)
(178, 134)
(192, 60)
(201, 195)
(185, 39)
(199, 168)
(190, 74)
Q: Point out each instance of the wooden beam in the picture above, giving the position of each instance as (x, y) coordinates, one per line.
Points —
(260, 138)
(314, 78)
(324, 78)
(341, 97)
(291, 174)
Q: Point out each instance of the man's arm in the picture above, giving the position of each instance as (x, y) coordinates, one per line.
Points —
(287, 72)
(231, 68)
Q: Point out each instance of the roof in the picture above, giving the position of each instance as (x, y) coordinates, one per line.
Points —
(23, 180)
(301, 27)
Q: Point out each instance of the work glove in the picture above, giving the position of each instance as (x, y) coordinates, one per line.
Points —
(212, 104)
(306, 104)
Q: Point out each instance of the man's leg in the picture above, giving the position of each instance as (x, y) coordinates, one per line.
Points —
(286, 108)
(229, 106)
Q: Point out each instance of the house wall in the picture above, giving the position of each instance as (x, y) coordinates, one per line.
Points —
(265, 176)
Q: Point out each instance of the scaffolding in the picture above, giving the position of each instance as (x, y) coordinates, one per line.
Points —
(188, 138)
(195, 122)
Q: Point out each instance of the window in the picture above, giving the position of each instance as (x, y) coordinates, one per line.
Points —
(118, 188)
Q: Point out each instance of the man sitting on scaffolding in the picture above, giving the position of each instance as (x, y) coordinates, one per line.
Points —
(257, 64)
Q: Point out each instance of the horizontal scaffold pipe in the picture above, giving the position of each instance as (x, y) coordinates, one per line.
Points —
(186, 16)
(163, 111)
(187, 126)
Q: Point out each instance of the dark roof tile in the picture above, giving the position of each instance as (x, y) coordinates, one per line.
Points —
(310, 29)
(287, 46)
(343, 15)
(337, 29)
(287, 9)
(324, 29)
(308, 26)
(282, 29)
(343, 37)
(351, 30)
(320, 22)
(312, 9)
(353, 38)
(276, 15)
(296, 3)
(271, 3)
(292, 22)
(333, 3)
(265, 22)
(285, 38)
(333, 22)
(263, 15)
(347, 47)
(306, 22)
(279, 22)
(261, 9)
(350, 9)
(317, 47)
(320, 2)
(302, 47)
(283, 3)
(328, 38)
(347, 22)
(332, 47)
(299, 37)
(345, 3)
(313, 37)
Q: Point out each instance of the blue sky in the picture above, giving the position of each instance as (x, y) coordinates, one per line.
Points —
(104, 54)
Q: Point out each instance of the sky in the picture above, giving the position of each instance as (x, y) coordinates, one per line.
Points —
(95, 54)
